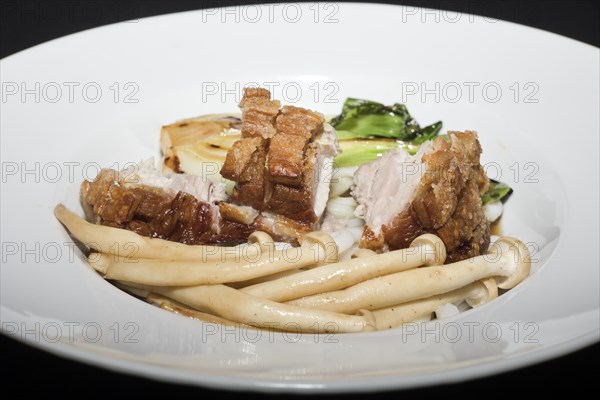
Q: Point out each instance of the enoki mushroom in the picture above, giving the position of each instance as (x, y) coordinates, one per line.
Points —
(304, 289)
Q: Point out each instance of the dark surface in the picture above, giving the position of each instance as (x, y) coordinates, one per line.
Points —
(27, 23)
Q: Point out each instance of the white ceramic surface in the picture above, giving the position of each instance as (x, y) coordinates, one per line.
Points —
(532, 96)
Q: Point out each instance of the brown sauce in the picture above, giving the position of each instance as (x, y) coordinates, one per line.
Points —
(496, 227)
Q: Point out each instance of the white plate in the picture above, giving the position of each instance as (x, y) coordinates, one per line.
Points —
(534, 101)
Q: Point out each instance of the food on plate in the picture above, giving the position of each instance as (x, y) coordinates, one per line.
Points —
(368, 129)
(473, 294)
(125, 243)
(400, 287)
(411, 280)
(423, 251)
(365, 131)
(282, 163)
(438, 190)
(182, 208)
(281, 166)
(198, 146)
(316, 249)
(283, 220)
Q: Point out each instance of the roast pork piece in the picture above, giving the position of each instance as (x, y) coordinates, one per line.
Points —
(438, 190)
(282, 163)
(178, 207)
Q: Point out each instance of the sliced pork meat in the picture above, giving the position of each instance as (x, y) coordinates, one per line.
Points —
(246, 160)
(293, 166)
(168, 206)
(438, 191)
(283, 162)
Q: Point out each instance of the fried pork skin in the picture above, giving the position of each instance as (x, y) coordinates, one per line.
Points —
(436, 191)
(278, 164)
(123, 200)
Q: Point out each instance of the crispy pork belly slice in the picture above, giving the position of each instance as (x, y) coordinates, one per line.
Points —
(283, 163)
(285, 159)
(305, 202)
(438, 190)
(297, 121)
(246, 160)
(296, 129)
(258, 113)
(293, 165)
(467, 232)
(173, 206)
(245, 164)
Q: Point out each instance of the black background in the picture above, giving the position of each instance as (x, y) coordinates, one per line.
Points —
(22, 25)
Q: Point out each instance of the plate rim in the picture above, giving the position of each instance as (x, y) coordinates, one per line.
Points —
(236, 383)
(168, 374)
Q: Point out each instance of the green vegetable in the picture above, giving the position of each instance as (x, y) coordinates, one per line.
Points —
(359, 151)
(497, 191)
(428, 133)
(367, 129)
(367, 119)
